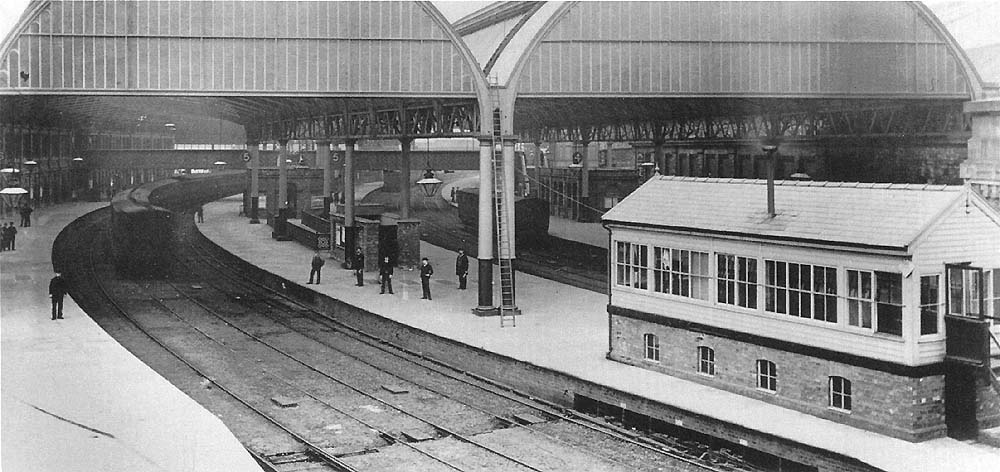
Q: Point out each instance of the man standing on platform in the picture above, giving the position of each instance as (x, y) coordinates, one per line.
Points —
(4, 237)
(201, 214)
(462, 268)
(11, 232)
(26, 216)
(57, 290)
(385, 275)
(317, 265)
(425, 278)
(358, 264)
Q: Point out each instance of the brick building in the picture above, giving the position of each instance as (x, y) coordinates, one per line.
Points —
(865, 304)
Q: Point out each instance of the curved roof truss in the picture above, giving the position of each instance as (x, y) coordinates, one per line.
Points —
(354, 57)
(745, 49)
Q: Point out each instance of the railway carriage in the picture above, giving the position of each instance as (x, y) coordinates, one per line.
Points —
(143, 219)
(867, 304)
(531, 220)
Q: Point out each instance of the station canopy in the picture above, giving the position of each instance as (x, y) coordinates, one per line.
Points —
(580, 64)
(616, 70)
(281, 69)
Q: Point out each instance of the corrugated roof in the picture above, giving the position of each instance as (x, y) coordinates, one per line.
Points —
(861, 214)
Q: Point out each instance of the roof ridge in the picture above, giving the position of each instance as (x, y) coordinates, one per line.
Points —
(814, 183)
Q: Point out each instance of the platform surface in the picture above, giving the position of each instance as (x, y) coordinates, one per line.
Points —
(576, 319)
(73, 399)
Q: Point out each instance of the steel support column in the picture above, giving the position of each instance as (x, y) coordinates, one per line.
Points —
(282, 174)
(323, 161)
(253, 148)
(281, 220)
(404, 177)
(349, 239)
(508, 191)
(485, 242)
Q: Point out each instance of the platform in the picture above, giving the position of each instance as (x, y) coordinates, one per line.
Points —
(566, 329)
(73, 399)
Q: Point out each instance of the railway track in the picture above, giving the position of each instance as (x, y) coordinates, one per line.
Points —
(401, 410)
(569, 262)
(86, 239)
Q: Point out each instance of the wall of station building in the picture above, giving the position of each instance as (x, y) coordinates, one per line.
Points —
(614, 169)
(53, 178)
(907, 406)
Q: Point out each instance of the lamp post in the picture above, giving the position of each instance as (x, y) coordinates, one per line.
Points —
(76, 171)
(29, 166)
(219, 165)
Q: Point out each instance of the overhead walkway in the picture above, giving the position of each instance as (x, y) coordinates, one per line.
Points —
(566, 330)
(73, 399)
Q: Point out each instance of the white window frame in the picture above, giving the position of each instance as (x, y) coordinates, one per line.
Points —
(706, 364)
(895, 304)
(782, 289)
(840, 391)
(634, 270)
(937, 304)
(675, 279)
(651, 342)
(738, 283)
(970, 284)
(992, 291)
(767, 381)
(864, 302)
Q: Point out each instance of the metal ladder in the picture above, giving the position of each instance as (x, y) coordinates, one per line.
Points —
(505, 253)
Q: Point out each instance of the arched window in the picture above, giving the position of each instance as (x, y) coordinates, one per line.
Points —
(706, 360)
(767, 375)
(652, 343)
(840, 393)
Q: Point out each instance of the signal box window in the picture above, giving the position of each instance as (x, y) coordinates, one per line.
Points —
(706, 360)
(767, 375)
(840, 393)
(652, 343)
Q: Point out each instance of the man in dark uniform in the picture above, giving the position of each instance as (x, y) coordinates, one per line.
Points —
(57, 290)
(4, 237)
(26, 216)
(385, 275)
(425, 278)
(317, 264)
(201, 214)
(11, 236)
(462, 268)
(358, 264)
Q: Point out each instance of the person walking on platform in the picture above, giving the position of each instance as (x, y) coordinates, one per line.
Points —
(426, 271)
(26, 216)
(358, 264)
(385, 275)
(57, 290)
(201, 214)
(462, 269)
(317, 266)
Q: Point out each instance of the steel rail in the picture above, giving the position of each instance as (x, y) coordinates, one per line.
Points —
(329, 459)
(295, 359)
(303, 390)
(649, 444)
(438, 391)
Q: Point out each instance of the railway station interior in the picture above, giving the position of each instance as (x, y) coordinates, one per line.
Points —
(727, 236)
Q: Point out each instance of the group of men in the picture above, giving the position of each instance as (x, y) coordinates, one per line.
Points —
(385, 271)
(8, 237)
(8, 232)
